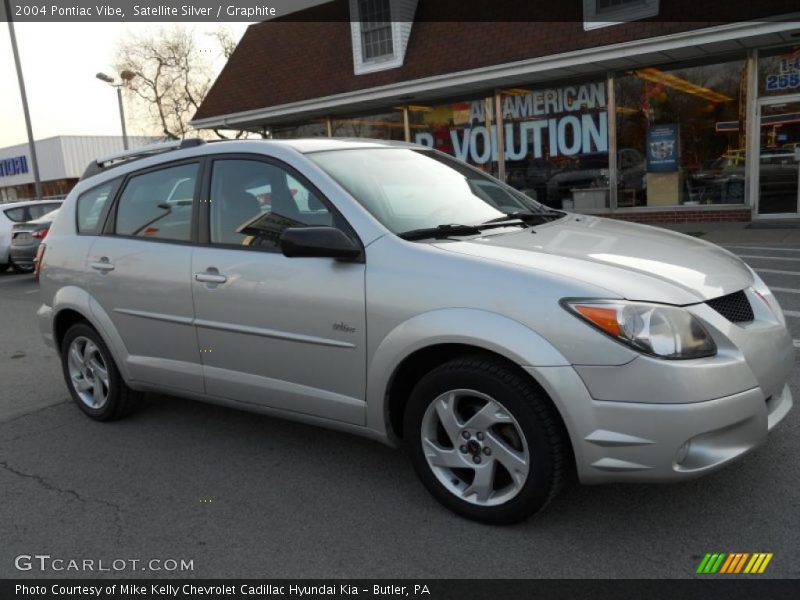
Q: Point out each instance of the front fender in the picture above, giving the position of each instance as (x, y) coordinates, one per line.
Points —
(78, 299)
(482, 329)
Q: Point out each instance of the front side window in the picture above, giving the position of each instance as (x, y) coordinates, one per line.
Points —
(90, 207)
(416, 189)
(158, 205)
(252, 202)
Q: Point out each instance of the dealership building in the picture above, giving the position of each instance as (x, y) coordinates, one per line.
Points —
(638, 109)
(62, 160)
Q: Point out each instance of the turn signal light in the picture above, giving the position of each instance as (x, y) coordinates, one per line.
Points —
(604, 318)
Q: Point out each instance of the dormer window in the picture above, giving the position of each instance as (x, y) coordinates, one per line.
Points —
(380, 31)
(376, 29)
(602, 13)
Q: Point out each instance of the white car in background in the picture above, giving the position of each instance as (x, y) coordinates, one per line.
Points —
(19, 212)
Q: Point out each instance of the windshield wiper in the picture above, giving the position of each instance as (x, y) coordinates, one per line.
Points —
(445, 231)
(439, 232)
(528, 217)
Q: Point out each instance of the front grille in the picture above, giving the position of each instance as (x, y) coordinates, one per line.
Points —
(734, 307)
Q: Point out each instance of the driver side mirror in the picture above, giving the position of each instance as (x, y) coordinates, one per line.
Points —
(318, 242)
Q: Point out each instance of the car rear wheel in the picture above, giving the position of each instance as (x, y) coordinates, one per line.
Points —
(485, 441)
(92, 376)
(3, 267)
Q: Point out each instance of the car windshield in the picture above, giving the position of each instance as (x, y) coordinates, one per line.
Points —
(408, 189)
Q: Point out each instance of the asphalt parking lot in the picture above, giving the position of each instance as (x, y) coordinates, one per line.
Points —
(250, 496)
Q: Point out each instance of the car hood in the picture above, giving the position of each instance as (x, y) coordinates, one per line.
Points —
(633, 261)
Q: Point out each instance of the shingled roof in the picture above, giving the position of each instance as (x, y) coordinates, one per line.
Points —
(309, 54)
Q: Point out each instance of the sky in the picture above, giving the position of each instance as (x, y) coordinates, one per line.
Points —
(59, 62)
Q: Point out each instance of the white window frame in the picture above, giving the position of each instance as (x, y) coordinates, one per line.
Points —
(379, 63)
(633, 12)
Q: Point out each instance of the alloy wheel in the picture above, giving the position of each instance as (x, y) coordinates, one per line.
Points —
(88, 372)
(475, 447)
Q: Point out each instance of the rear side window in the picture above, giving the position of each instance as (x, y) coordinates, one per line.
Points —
(16, 214)
(158, 204)
(91, 205)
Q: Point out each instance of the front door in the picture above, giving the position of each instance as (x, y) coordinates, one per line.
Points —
(779, 160)
(287, 333)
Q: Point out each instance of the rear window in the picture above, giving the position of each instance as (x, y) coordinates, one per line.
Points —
(91, 205)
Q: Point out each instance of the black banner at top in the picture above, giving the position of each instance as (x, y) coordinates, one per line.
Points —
(587, 11)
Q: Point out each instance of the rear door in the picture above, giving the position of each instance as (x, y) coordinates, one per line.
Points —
(287, 333)
(140, 274)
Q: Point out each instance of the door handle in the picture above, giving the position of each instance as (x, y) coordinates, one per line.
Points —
(102, 265)
(208, 277)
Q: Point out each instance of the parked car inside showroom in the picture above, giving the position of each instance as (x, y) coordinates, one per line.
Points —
(391, 291)
(25, 240)
(19, 212)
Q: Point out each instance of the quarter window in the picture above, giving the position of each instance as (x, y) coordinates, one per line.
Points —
(16, 214)
(252, 202)
(90, 206)
(158, 205)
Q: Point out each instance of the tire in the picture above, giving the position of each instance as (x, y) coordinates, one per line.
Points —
(3, 267)
(512, 427)
(92, 376)
(20, 268)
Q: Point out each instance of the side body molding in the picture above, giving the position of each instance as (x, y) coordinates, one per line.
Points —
(474, 327)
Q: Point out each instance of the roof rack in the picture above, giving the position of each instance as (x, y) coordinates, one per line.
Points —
(114, 160)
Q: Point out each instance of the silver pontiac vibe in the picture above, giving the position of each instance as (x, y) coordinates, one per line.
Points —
(391, 291)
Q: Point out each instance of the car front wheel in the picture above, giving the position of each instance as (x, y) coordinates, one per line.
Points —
(92, 376)
(485, 441)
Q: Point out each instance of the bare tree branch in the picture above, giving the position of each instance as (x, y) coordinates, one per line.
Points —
(171, 77)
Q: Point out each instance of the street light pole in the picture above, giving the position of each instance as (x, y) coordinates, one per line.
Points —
(125, 76)
(24, 97)
(122, 118)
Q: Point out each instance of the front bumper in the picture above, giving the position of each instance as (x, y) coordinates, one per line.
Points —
(45, 318)
(641, 442)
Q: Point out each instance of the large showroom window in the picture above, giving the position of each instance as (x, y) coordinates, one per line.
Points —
(314, 128)
(556, 143)
(384, 126)
(465, 129)
(681, 135)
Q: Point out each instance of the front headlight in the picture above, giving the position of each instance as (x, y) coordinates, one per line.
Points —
(656, 329)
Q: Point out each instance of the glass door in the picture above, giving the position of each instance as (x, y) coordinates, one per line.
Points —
(779, 160)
